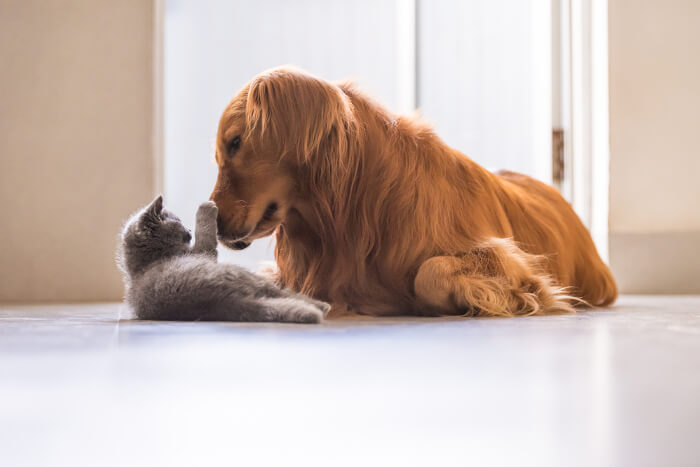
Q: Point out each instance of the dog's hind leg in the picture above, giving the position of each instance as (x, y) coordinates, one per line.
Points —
(495, 278)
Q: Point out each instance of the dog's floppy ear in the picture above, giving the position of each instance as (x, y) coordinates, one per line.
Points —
(304, 115)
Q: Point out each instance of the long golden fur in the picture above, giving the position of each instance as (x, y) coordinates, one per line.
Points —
(375, 214)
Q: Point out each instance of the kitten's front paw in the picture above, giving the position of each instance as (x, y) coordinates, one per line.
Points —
(207, 210)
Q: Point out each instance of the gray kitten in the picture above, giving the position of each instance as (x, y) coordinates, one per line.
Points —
(166, 279)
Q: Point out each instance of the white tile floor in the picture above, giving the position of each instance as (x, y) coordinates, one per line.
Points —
(602, 388)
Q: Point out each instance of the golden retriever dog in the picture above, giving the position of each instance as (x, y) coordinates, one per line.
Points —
(377, 215)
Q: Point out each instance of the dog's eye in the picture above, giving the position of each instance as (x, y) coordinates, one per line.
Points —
(234, 145)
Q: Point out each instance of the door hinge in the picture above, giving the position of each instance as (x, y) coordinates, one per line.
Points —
(557, 157)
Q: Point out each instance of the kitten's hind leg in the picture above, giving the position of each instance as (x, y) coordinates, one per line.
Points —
(266, 309)
(291, 310)
(269, 289)
(205, 230)
(322, 306)
(274, 291)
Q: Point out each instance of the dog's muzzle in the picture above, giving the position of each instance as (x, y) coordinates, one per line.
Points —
(232, 243)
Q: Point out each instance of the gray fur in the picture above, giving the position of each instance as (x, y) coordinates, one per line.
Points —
(166, 279)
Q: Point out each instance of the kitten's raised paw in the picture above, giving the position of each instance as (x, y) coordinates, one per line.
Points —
(207, 210)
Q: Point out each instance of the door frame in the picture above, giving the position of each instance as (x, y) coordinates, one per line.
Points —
(580, 109)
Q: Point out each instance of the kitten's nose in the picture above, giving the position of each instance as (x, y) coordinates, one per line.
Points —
(187, 237)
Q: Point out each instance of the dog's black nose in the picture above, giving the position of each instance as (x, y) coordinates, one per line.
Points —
(241, 244)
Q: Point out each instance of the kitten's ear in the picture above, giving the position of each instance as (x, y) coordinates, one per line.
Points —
(156, 207)
(151, 215)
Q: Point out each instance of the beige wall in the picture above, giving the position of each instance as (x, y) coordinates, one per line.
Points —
(76, 113)
(654, 66)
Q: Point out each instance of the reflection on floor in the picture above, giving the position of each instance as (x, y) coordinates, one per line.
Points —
(618, 387)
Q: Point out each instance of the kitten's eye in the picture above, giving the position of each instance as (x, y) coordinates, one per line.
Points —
(234, 145)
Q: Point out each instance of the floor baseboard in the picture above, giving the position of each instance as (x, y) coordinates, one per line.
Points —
(656, 263)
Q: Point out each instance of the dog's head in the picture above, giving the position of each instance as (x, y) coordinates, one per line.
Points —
(277, 136)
